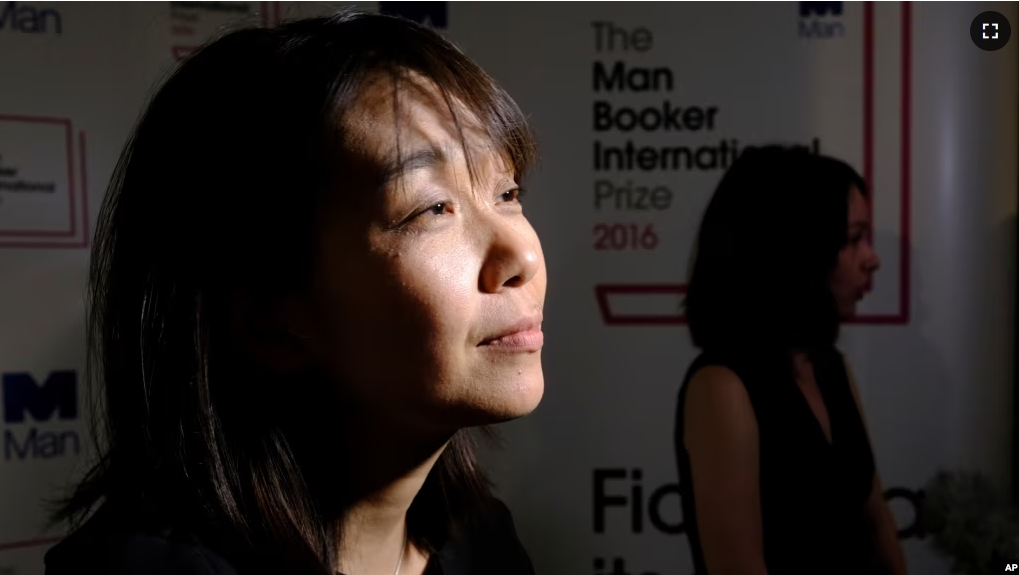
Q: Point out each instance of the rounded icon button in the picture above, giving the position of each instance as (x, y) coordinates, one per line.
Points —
(990, 31)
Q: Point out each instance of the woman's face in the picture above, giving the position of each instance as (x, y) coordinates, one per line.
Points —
(427, 306)
(857, 260)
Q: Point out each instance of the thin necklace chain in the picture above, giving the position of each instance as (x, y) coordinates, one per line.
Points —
(403, 552)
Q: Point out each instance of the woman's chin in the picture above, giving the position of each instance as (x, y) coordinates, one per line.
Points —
(508, 401)
(525, 399)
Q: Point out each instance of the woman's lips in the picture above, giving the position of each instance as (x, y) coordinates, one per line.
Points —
(521, 341)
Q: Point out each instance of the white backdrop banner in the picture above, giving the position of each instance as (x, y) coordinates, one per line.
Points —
(639, 109)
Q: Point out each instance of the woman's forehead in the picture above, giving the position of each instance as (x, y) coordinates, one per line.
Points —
(399, 120)
(409, 110)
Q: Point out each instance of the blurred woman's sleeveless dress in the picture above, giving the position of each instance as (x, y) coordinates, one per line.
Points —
(812, 492)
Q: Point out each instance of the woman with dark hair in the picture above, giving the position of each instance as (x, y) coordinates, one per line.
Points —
(776, 470)
(312, 277)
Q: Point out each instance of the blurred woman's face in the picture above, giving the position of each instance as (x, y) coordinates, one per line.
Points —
(857, 260)
(428, 301)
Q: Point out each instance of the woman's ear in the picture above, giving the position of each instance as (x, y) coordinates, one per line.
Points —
(274, 335)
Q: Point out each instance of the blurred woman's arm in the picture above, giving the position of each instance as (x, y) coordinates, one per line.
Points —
(886, 536)
(879, 516)
(721, 438)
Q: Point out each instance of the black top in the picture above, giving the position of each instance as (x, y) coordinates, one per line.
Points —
(812, 492)
(491, 547)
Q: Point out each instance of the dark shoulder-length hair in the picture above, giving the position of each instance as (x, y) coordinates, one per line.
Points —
(765, 251)
(213, 202)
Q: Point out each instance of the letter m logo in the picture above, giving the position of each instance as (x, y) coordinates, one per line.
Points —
(435, 14)
(21, 395)
(820, 9)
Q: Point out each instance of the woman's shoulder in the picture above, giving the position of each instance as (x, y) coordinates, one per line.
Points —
(751, 367)
(742, 381)
(105, 547)
(488, 543)
(714, 370)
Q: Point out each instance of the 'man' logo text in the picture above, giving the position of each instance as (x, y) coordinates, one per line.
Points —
(26, 404)
(821, 20)
(20, 17)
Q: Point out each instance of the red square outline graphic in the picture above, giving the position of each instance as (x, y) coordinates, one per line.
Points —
(70, 179)
(38, 238)
(603, 291)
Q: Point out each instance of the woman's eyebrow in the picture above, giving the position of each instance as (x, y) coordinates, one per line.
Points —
(421, 159)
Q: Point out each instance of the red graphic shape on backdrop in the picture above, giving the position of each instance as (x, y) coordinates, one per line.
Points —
(70, 236)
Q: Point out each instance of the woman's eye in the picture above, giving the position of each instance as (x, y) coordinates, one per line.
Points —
(514, 195)
(437, 209)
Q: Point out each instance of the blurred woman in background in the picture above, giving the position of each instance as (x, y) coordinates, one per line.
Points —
(776, 469)
(312, 276)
